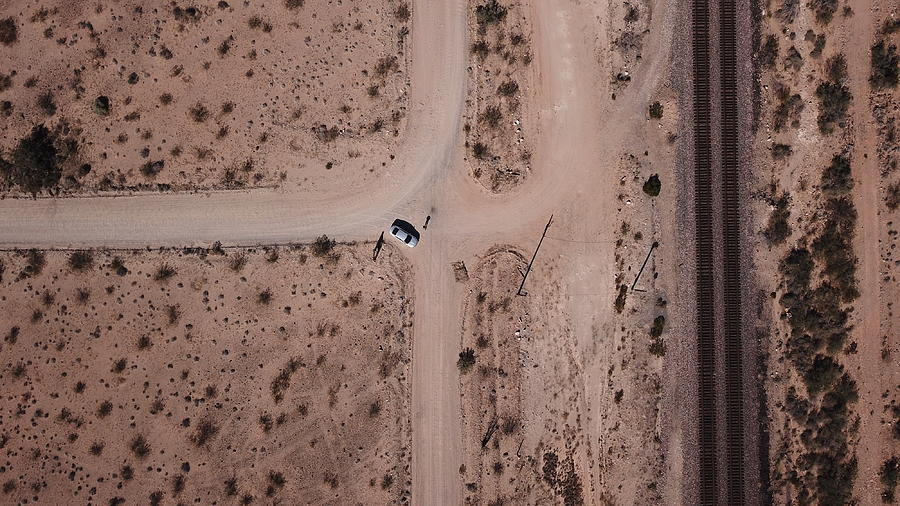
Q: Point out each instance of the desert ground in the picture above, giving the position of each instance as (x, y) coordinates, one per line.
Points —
(243, 355)
(192, 96)
(274, 375)
(827, 208)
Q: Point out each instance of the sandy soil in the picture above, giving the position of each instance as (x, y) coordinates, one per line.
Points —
(227, 95)
(499, 119)
(584, 137)
(864, 138)
(275, 374)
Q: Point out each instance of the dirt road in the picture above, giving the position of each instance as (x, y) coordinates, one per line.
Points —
(577, 140)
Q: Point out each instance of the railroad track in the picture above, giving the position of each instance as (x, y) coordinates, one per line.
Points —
(729, 281)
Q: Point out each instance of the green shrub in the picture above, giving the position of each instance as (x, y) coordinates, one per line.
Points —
(788, 109)
(101, 105)
(620, 299)
(659, 324)
(653, 186)
(889, 475)
(823, 372)
(81, 260)
(778, 229)
(836, 178)
(322, 246)
(885, 63)
(34, 161)
(655, 110)
(834, 100)
(466, 360)
(490, 12)
(769, 52)
(9, 33)
(823, 9)
(781, 151)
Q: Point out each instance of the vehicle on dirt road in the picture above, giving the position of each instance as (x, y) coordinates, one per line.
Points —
(405, 232)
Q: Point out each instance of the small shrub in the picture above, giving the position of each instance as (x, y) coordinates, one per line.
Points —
(374, 409)
(101, 105)
(386, 65)
(46, 103)
(653, 186)
(206, 430)
(127, 472)
(265, 297)
(164, 272)
(199, 113)
(480, 151)
(836, 68)
(96, 448)
(617, 398)
(151, 169)
(293, 4)
(788, 109)
(386, 482)
(265, 421)
(836, 178)
(231, 487)
(781, 151)
(892, 197)
(768, 54)
(490, 13)
(659, 324)
(466, 360)
(118, 266)
(323, 246)
(508, 88)
(655, 110)
(885, 62)
(9, 33)
(620, 298)
(81, 261)
(165, 98)
(104, 409)
(824, 10)
(237, 262)
(156, 498)
(402, 13)
(481, 49)
(491, 116)
(834, 100)
(120, 365)
(140, 447)
(144, 342)
(778, 228)
(889, 475)
(178, 484)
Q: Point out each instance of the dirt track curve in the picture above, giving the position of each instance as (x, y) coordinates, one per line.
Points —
(578, 137)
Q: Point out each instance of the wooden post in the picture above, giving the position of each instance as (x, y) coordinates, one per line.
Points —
(528, 270)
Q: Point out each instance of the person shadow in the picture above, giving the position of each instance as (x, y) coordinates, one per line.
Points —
(378, 245)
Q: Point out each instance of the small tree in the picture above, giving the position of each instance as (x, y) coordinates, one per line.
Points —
(34, 161)
(885, 62)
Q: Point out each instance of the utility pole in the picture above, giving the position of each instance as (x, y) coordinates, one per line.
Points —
(528, 270)
(636, 278)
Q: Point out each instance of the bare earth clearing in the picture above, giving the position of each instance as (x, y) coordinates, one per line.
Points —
(159, 95)
(277, 375)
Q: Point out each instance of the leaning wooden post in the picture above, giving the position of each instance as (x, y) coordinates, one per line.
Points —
(528, 270)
